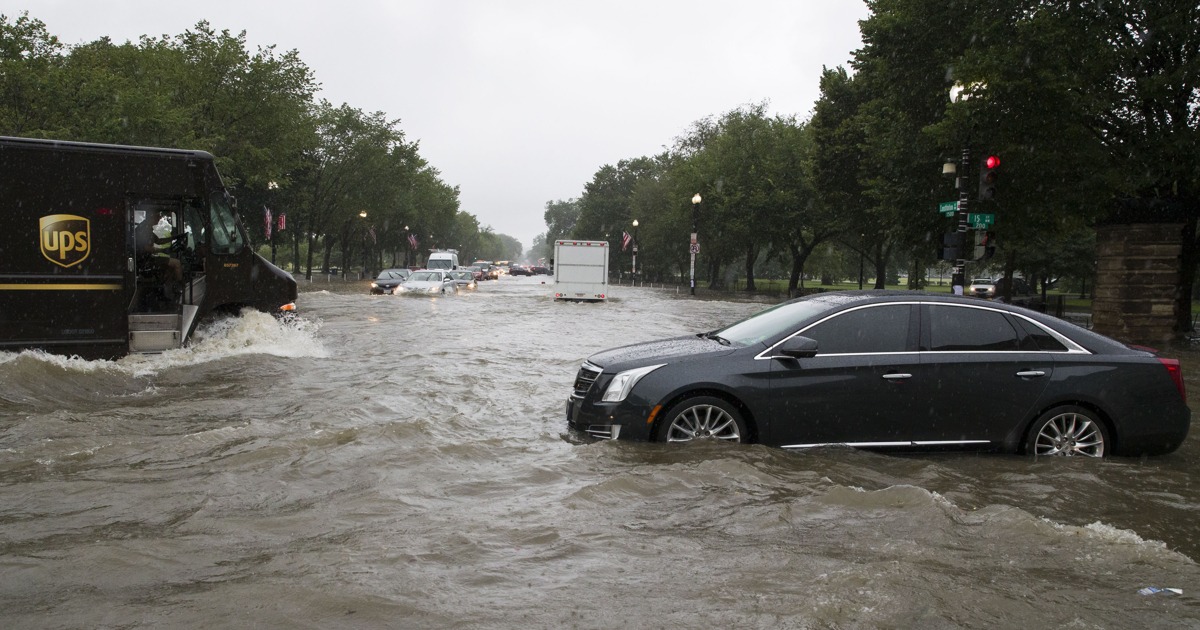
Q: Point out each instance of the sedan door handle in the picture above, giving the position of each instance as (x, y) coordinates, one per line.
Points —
(1030, 374)
(896, 377)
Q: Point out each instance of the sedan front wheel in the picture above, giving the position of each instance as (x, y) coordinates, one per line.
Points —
(1067, 431)
(702, 418)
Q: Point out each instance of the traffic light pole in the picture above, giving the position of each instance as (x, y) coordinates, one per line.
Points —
(958, 281)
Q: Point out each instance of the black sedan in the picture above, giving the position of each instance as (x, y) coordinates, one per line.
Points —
(889, 370)
(388, 280)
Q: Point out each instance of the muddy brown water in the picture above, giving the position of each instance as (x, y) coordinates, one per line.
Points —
(392, 462)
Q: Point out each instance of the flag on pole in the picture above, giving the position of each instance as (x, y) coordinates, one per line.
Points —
(412, 241)
(267, 222)
(371, 231)
(282, 222)
(625, 240)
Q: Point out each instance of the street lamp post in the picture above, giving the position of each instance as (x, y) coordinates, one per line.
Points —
(635, 246)
(862, 248)
(272, 187)
(363, 216)
(694, 246)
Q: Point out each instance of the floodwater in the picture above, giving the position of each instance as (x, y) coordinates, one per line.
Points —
(397, 462)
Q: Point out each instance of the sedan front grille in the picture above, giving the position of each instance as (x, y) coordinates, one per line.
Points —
(588, 374)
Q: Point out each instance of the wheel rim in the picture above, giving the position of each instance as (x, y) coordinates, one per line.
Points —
(1070, 434)
(704, 422)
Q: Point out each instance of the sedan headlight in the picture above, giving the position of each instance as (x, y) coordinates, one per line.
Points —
(623, 383)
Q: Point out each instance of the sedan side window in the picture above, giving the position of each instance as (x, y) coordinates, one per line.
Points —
(865, 330)
(954, 328)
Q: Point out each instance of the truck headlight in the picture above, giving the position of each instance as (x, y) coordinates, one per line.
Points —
(623, 383)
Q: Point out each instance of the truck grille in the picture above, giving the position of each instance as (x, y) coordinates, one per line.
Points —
(588, 374)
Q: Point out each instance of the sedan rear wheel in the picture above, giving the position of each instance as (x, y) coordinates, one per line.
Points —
(1067, 431)
(702, 418)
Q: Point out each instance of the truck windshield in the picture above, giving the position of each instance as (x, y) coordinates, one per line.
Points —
(435, 263)
(227, 236)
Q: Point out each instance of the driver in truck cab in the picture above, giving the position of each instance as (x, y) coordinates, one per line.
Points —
(160, 245)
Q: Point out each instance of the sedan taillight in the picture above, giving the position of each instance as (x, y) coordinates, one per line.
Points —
(1176, 372)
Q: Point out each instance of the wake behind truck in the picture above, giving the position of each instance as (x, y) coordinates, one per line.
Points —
(88, 233)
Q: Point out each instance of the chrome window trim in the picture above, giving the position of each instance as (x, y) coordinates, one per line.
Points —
(1072, 347)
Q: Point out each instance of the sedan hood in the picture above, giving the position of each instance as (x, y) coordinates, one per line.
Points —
(657, 352)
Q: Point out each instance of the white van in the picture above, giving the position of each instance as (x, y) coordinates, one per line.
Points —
(443, 259)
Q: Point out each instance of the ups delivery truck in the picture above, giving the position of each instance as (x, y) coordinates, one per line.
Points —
(108, 250)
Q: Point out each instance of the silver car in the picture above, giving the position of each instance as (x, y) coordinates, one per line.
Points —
(464, 278)
(428, 282)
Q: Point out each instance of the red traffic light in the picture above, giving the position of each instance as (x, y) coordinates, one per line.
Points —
(991, 161)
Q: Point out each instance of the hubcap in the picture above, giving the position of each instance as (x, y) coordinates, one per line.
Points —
(1070, 434)
(703, 422)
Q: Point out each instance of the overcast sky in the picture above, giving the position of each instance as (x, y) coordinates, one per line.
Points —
(520, 102)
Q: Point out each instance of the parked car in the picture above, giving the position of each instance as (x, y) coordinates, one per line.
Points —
(982, 288)
(1021, 294)
(889, 370)
(465, 279)
(428, 281)
(388, 280)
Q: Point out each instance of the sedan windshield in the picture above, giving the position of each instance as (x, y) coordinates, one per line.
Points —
(425, 276)
(773, 321)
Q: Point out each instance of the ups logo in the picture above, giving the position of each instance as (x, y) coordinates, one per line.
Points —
(65, 238)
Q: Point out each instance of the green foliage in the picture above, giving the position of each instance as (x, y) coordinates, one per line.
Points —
(255, 111)
(1088, 104)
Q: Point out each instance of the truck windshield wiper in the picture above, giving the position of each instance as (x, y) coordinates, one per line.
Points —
(715, 337)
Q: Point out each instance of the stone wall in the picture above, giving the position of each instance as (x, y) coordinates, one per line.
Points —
(1137, 267)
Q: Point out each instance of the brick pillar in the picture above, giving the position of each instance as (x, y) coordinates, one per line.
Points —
(1137, 268)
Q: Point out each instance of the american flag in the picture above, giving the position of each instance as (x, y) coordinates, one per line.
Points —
(625, 240)
(267, 221)
(412, 241)
(282, 222)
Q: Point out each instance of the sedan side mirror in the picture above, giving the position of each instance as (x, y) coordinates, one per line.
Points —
(798, 348)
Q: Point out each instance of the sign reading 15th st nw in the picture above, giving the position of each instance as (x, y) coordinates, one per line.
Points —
(981, 221)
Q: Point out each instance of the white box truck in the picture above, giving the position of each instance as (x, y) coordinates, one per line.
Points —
(442, 259)
(581, 270)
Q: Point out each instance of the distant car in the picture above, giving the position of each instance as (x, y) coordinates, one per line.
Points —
(465, 279)
(982, 288)
(490, 272)
(388, 280)
(891, 371)
(476, 272)
(428, 282)
(538, 270)
(519, 270)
